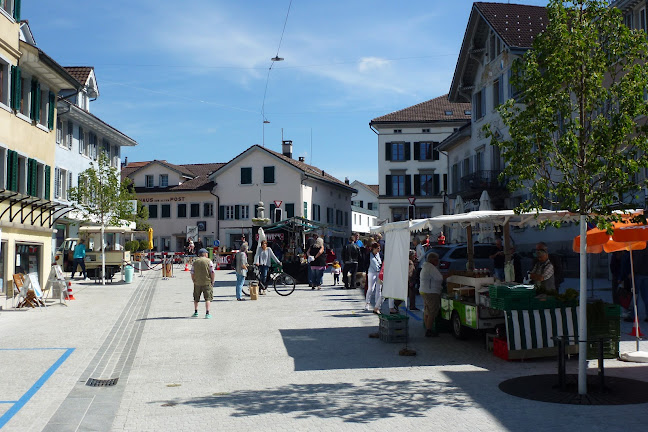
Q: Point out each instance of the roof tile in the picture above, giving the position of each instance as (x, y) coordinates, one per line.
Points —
(79, 73)
(516, 24)
(436, 109)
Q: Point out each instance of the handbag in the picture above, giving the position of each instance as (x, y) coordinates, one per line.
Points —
(381, 273)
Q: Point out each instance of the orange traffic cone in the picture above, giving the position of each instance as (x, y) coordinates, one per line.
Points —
(70, 296)
(186, 266)
(636, 330)
(218, 264)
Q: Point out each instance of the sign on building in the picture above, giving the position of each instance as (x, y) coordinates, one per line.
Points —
(192, 232)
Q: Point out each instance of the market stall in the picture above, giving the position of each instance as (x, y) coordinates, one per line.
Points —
(473, 301)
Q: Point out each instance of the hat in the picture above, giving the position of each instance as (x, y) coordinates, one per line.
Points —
(202, 251)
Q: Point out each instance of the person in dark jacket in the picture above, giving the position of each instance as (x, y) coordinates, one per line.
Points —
(350, 257)
(317, 263)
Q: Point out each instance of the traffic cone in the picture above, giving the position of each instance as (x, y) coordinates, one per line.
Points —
(186, 266)
(70, 296)
(636, 330)
(217, 264)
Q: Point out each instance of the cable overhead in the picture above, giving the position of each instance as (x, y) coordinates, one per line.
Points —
(276, 58)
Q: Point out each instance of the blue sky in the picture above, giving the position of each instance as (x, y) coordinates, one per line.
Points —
(186, 79)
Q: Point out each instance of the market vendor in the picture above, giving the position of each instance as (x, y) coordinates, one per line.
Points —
(542, 272)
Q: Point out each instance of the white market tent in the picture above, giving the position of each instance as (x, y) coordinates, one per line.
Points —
(397, 238)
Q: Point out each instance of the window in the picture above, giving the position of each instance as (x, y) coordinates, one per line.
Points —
(182, 210)
(397, 151)
(426, 151)
(59, 131)
(627, 19)
(398, 185)
(449, 112)
(11, 7)
(642, 19)
(290, 210)
(370, 206)
(269, 174)
(208, 209)
(346, 219)
(329, 215)
(92, 145)
(316, 213)
(426, 184)
(229, 212)
(244, 211)
(148, 181)
(153, 211)
(5, 82)
(166, 211)
(305, 209)
(479, 161)
(246, 176)
(24, 96)
(397, 131)
(69, 134)
(465, 169)
(479, 104)
(426, 131)
(498, 92)
(82, 146)
(195, 210)
(164, 180)
(455, 177)
(338, 217)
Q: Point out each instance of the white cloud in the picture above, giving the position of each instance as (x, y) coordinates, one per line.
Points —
(372, 63)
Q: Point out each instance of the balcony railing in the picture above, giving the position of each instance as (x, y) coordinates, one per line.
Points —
(481, 180)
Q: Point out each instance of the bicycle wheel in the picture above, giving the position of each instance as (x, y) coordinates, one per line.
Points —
(284, 284)
(246, 288)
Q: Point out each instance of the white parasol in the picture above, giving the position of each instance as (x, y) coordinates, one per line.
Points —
(458, 233)
(485, 229)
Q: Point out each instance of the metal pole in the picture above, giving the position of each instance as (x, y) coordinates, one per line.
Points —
(634, 300)
(582, 317)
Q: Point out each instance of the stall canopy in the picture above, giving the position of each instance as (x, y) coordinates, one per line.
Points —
(397, 237)
(299, 224)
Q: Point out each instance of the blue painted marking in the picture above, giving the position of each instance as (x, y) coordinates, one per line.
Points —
(413, 315)
(37, 385)
(12, 402)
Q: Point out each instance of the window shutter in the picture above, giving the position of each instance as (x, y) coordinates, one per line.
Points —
(417, 185)
(445, 182)
(50, 111)
(437, 186)
(417, 151)
(388, 151)
(32, 100)
(237, 212)
(16, 11)
(14, 172)
(16, 88)
(69, 185)
(407, 151)
(388, 184)
(48, 180)
(57, 182)
(435, 152)
(82, 143)
(37, 100)
(221, 212)
(9, 168)
(256, 208)
(408, 185)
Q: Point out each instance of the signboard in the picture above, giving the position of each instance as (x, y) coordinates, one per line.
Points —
(216, 243)
(192, 232)
(411, 200)
(272, 237)
(202, 226)
(278, 203)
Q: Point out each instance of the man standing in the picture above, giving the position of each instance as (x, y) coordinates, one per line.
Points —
(543, 271)
(78, 259)
(350, 256)
(310, 242)
(555, 262)
(202, 275)
(430, 289)
(498, 260)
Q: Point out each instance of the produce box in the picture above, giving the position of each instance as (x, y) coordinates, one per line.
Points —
(503, 291)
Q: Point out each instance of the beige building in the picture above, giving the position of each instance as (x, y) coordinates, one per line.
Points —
(29, 83)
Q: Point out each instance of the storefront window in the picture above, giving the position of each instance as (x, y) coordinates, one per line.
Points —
(28, 258)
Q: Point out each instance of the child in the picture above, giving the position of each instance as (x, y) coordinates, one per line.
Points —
(337, 269)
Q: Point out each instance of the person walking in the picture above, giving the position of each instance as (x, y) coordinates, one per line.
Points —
(430, 288)
(202, 275)
(264, 259)
(373, 289)
(350, 256)
(241, 262)
(317, 259)
(78, 259)
(336, 269)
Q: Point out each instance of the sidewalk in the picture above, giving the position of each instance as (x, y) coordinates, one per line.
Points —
(302, 362)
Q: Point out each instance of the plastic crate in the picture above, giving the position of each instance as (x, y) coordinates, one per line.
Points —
(611, 328)
(393, 335)
(500, 348)
(393, 322)
(510, 303)
(502, 291)
(610, 349)
(612, 311)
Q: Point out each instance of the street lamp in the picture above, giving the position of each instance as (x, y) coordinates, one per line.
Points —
(265, 121)
(276, 58)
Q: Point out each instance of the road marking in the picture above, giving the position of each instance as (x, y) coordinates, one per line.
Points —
(20, 403)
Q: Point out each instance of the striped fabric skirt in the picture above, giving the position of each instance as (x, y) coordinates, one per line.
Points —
(532, 329)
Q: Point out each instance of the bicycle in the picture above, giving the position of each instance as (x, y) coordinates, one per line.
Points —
(283, 283)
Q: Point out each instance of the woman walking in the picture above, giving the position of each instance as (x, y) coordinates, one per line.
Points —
(317, 263)
(373, 290)
(264, 259)
(241, 270)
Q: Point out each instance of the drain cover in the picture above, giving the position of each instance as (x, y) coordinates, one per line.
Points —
(101, 382)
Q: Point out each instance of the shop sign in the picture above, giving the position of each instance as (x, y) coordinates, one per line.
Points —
(272, 236)
(164, 199)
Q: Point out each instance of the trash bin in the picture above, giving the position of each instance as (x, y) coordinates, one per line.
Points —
(128, 273)
(210, 251)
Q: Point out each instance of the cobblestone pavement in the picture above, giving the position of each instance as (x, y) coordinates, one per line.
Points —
(302, 362)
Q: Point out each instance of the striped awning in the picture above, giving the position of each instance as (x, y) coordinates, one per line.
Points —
(532, 329)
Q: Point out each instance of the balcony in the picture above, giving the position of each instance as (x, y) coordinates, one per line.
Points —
(472, 186)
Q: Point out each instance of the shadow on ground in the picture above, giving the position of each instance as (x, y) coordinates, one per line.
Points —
(371, 400)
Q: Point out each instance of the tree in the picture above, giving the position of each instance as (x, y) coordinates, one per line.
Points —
(103, 198)
(141, 219)
(578, 131)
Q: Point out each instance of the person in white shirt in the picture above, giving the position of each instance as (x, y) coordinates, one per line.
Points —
(373, 289)
(430, 288)
(420, 250)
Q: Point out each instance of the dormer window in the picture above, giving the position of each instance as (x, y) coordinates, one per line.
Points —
(148, 181)
(164, 180)
(448, 112)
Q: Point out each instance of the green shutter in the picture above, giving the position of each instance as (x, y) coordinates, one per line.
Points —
(30, 181)
(16, 11)
(16, 88)
(9, 169)
(407, 151)
(48, 186)
(32, 100)
(388, 184)
(221, 212)
(50, 111)
(13, 170)
(417, 185)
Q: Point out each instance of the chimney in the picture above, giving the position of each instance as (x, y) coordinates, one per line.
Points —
(125, 161)
(302, 159)
(286, 148)
(346, 180)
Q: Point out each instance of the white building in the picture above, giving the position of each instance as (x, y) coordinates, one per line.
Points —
(410, 164)
(364, 207)
(261, 174)
(80, 137)
(176, 196)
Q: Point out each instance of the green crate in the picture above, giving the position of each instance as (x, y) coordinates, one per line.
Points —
(610, 349)
(502, 291)
(392, 335)
(612, 311)
(510, 303)
(543, 303)
(393, 322)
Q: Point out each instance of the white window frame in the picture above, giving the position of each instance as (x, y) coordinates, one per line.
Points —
(208, 209)
(229, 212)
(244, 211)
(82, 141)
(148, 184)
(8, 13)
(5, 83)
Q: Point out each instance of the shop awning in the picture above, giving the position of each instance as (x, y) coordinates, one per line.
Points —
(298, 224)
(30, 210)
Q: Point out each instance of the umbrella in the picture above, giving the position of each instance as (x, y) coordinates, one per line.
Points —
(485, 229)
(262, 237)
(626, 236)
(458, 233)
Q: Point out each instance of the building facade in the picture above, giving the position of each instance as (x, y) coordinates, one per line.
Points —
(410, 165)
(29, 83)
(80, 138)
(364, 207)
